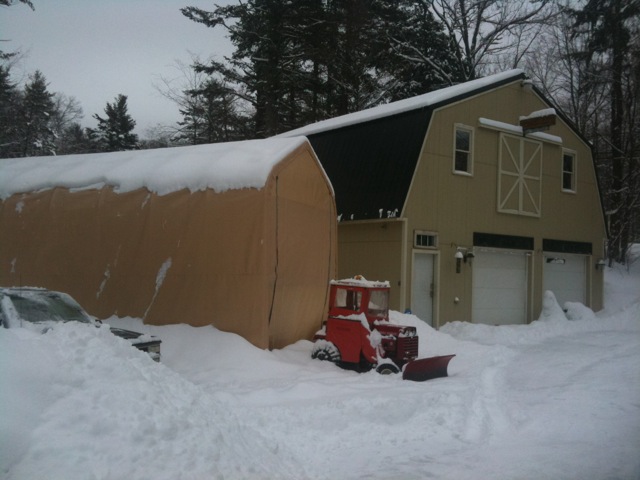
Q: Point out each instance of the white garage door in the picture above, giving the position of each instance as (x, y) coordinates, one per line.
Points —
(499, 288)
(566, 277)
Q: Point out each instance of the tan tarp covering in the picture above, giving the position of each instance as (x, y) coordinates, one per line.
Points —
(254, 262)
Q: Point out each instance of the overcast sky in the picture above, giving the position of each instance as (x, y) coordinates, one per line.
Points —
(94, 50)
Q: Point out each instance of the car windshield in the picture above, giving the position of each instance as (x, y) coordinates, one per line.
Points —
(43, 308)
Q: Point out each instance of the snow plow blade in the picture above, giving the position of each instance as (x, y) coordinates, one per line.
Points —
(426, 368)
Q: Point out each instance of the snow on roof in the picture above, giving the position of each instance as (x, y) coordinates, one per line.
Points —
(405, 105)
(220, 166)
(518, 130)
(539, 113)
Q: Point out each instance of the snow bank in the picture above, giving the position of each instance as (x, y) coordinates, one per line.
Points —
(221, 166)
(80, 403)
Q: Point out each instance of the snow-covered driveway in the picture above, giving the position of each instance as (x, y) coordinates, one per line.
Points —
(556, 399)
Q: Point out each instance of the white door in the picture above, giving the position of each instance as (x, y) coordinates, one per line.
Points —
(422, 287)
(566, 277)
(499, 288)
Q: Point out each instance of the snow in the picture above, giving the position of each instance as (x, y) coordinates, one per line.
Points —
(517, 129)
(360, 281)
(558, 398)
(406, 105)
(221, 167)
(547, 112)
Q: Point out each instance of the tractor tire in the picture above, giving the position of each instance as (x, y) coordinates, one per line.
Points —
(387, 369)
(326, 351)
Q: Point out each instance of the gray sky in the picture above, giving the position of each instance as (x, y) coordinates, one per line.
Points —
(95, 49)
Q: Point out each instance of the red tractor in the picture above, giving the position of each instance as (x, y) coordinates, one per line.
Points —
(358, 335)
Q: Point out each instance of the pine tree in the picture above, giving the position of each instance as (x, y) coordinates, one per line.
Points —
(34, 118)
(210, 115)
(414, 53)
(74, 139)
(115, 132)
(9, 100)
(300, 61)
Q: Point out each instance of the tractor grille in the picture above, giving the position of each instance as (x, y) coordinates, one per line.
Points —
(407, 348)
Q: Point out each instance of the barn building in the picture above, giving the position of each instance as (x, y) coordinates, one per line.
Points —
(472, 201)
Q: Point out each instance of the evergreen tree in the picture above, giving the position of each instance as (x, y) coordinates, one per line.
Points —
(413, 53)
(352, 83)
(74, 139)
(34, 118)
(9, 101)
(211, 116)
(299, 61)
(263, 69)
(115, 131)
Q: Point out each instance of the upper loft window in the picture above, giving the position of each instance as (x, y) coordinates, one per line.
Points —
(568, 171)
(463, 152)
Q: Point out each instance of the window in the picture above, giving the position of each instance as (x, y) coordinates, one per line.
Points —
(568, 171)
(349, 299)
(463, 156)
(379, 303)
(425, 239)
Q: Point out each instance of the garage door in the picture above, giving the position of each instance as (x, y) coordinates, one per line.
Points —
(499, 288)
(566, 277)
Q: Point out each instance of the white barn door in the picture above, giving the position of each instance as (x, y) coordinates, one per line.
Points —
(499, 288)
(422, 287)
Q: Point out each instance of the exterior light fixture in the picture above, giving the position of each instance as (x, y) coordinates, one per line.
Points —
(458, 256)
(600, 263)
(468, 257)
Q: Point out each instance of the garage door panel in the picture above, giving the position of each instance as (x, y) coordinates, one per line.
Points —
(566, 277)
(499, 288)
(501, 279)
(500, 316)
(486, 297)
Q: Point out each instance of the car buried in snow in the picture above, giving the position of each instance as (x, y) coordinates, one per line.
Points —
(42, 308)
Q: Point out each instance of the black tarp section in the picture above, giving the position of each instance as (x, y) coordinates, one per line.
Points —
(371, 164)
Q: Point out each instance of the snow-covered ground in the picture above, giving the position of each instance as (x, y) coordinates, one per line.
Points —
(557, 399)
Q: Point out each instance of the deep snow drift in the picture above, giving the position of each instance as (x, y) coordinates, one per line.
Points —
(555, 399)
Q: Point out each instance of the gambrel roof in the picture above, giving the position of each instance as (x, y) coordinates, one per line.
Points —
(371, 156)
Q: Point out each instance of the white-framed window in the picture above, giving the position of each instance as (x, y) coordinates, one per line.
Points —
(423, 239)
(463, 149)
(569, 171)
